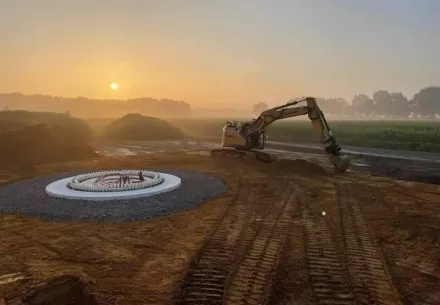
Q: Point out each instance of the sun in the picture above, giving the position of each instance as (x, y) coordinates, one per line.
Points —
(114, 86)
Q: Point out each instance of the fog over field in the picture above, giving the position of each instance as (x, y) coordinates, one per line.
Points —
(219, 152)
(382, 104)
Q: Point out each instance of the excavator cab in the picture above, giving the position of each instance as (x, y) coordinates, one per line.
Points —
(232, 137)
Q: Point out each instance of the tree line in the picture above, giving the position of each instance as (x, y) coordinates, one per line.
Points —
(85, 107)
(425, 103)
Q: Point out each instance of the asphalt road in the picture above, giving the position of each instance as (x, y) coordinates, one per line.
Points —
(366, 152)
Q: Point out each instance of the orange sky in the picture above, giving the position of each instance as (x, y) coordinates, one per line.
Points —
(216, 53)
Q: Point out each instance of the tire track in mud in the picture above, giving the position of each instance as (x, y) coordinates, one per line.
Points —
(328, 275)
(251, 283)
(207, 280)
(369, 276)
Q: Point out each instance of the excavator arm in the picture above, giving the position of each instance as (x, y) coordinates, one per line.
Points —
(314, 113)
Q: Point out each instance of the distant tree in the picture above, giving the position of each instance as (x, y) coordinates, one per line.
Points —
(382, 102)
(259, 108)
(427, 101)
(400, 104)
(335, 106)
(391, 104)
(84, 107)
(363, 104)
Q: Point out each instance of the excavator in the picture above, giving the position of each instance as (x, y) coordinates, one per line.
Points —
(247, 139)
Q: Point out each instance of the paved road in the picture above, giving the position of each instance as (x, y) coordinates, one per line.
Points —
(403, 165)
(366, 152)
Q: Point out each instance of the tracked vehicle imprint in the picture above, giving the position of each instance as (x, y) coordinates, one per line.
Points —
(370, 279)
(206, 280)
(243, 251)
(250, 284)
(328, 276)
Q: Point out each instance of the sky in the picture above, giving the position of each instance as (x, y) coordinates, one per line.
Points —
(213, 53)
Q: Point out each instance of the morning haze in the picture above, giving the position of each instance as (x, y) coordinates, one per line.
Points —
(240, 152)
(218, 54)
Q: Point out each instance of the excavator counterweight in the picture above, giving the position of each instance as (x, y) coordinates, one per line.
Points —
(247, 139)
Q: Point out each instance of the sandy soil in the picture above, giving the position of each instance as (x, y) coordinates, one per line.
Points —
(265, 241)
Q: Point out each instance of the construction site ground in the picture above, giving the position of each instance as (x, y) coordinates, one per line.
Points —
(287, 234)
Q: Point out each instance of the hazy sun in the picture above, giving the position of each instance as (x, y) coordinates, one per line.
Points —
(114, 86)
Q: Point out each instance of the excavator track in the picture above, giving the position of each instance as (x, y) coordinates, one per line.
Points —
(250, 283)
(238, 258)
(207, 278)
(328, 276)
(243, 155)
(370, 277)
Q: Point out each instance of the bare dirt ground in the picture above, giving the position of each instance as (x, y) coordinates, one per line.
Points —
(274, 237)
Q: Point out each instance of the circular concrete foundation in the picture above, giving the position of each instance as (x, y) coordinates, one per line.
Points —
(29, 197)
(112, 185)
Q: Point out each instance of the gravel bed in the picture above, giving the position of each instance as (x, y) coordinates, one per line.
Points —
(28, 197)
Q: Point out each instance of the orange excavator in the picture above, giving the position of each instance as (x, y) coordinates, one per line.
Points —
(243, 139)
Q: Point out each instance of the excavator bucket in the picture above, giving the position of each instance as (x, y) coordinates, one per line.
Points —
(340, 163)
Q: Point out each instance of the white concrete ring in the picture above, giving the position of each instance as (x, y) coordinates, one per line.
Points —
(79, 182)
(60, 189)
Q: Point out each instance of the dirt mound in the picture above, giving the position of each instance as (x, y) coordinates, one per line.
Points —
(301, 166)
(14, 120)
(137, 127)
(60, 291)
(267, 163)
(38, 144)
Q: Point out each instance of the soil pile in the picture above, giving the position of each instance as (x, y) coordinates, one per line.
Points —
(60, 291)
(269, 164)
(301, 166)
(15, 120)
(37, 144)
(137, 127)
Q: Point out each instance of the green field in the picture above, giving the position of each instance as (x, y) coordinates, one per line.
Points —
(409, 135)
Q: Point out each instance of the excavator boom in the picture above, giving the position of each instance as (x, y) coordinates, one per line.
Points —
(251, 135)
